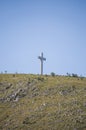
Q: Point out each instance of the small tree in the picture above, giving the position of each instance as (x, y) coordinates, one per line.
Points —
(68, 74)
(52, 74)
(74, 75)
(5, 71)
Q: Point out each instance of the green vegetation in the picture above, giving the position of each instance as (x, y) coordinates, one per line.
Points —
(52, 74)
(34, 102)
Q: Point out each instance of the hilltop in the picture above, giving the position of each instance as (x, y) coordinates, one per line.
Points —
(34, 102)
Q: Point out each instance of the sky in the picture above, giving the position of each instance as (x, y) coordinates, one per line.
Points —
(55, 27)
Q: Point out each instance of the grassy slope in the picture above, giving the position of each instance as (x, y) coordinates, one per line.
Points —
(31, 102)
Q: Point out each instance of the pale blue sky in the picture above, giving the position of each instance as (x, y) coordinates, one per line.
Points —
(55, 27)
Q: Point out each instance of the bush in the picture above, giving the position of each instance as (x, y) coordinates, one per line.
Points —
(74, 75)
(69, 75)
(52, 74)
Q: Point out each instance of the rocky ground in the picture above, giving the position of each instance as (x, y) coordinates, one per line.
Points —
(33, 102)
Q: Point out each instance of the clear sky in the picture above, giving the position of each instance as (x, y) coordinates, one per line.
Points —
(55, 27)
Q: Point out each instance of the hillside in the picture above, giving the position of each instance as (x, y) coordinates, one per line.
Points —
(34, 102)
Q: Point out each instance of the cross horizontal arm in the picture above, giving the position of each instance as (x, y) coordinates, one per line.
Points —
(41, 58)
(44, 58)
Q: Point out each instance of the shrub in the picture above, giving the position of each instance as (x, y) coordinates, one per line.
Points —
(52, 74)
(74, 75)
(68, 74)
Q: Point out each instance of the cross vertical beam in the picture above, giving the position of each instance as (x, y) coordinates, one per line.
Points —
(41, 59)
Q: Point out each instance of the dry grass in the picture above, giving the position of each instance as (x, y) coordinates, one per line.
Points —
(33, 102)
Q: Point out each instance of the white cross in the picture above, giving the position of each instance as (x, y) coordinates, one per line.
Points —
(41, 59)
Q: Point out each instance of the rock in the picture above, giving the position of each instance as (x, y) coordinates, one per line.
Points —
(2, 99)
